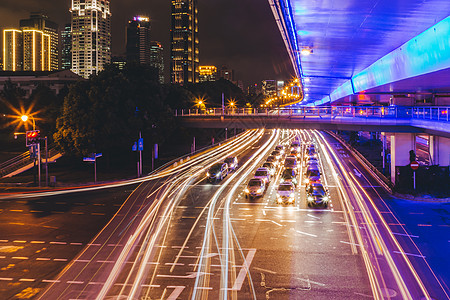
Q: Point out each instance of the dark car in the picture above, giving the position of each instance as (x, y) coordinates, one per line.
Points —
(317, 195)
(270, 166)
(217, 172)
(232, 163)
(312, 175)
(255, 188)
(289, 176)
(290, 162)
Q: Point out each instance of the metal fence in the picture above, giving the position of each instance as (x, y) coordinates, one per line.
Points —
(385, 112)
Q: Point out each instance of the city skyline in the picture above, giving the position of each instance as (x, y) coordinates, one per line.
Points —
(256, 55)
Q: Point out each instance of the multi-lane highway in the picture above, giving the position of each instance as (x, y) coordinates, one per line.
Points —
(179, 237)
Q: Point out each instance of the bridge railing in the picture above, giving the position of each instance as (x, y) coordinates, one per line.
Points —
(434, 113)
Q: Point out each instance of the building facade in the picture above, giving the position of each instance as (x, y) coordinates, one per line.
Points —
(184, 51)
(39, 21)
(12, 50)
(157, 59)
(207, 73)
(269, 87)
(66, 50)
(138, 40)
(36, 50)
(91, 36)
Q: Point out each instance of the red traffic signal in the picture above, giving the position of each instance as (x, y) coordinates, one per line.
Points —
(33, 137)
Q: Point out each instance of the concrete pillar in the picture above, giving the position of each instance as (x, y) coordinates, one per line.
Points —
(440, 150)
(401, 144)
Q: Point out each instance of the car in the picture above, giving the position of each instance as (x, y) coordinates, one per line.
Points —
(263, 174)
(295, 153)
(310, 153)
(217, 172)
(286, 193)
(255, 188)
(290, 162)
(317, 195)
(270, 166)
(276, 154)
(295, 146)
(280, 148)
(232, 163)
(271, 159)
(289, 175)
(311, 163)
(312, 175)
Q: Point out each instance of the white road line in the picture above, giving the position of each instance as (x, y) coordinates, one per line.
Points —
(176, 292)
(74, 282)
(58, 243)
(4, 241)
(309, 215)
(276, 223)
(305, 233)
(244, 270)
(83, 260)
(51, 281)
(403, 234)
(5, 279)
(60, 259)
(409, 254)
(27, 280)
(37, 242)
(42, 258)
(264, 270)
(344, 242)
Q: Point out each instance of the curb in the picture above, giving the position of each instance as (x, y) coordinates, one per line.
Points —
(420, 199)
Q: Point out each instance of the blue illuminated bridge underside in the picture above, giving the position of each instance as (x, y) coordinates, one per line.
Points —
(373, 46)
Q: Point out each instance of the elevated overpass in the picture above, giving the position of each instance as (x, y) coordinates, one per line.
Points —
(400, 123)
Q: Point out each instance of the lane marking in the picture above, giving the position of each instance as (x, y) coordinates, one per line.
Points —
(305, 233)
(176, 292)
(244, 270)
(264, 270)
(409, 254)
(404, 234)
(350, 243)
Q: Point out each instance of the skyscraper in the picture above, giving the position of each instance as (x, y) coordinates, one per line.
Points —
(36, 50)
(157, 59)
(138, 40)
(91, 36)
(12, 50)
(66, 51)
(184, 42)
(39, 21)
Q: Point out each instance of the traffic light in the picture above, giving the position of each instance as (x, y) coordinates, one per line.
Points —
(32, 137)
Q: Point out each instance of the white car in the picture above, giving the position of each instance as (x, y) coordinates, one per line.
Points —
(255, 188)
(286, 193)
(263, 174)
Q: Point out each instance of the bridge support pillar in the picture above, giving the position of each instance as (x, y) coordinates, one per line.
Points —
(401, 144)
(440, 150)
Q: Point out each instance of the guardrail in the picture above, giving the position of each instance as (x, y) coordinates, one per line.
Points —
(23, 160)
(435, 113)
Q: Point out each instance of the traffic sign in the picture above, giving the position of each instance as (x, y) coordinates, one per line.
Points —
(134, 147)
(89, 159)
(141, 144)
(32, 137)
(414, 165)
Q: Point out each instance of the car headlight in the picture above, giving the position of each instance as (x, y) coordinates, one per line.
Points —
(207, 174)
(218, 174)
(246, 191)
(292, 195)
(310, 198)
(306, 180)
(279, 200)
(325, 199)
(291, 200)
(259, 191)
(282, 180)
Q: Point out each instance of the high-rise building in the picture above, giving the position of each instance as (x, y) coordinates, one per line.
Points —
(157, 59)
(36, 50)
(226, 73)
(66, 51)
(207, 73)
(269, 87)
(184, 49)
(119, 61)
(12, 50)
(138, 40)
(91, 36)
(39, 21)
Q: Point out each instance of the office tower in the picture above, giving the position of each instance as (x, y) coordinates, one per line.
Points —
(12, 50)
(226, 73)
(157, 59)
(36, 50)
(119, 61)
(138, 40)
(91, 36)
(269, 87)
(66, 51)
(184, 42)
(39, 21)
(207, 73)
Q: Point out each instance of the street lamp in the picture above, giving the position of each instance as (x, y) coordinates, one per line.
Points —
(25, 118)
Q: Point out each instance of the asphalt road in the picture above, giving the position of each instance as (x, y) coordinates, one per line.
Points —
(178, 237)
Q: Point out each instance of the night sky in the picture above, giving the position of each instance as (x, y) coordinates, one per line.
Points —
(240, 34)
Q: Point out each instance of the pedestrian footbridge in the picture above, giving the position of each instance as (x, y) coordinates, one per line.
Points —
(431, 120)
